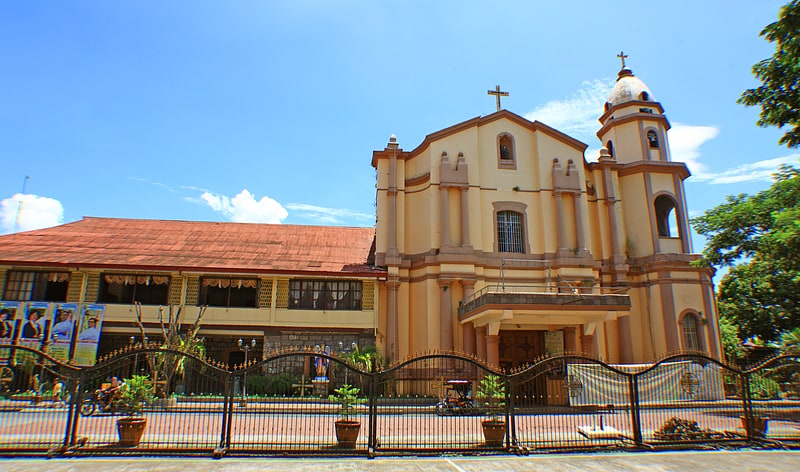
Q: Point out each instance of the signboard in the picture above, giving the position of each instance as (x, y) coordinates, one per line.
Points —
(91, 323)
(62, 330)
(9, 320)
(34, 328)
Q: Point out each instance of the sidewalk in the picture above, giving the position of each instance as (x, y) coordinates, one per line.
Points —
(722, 461)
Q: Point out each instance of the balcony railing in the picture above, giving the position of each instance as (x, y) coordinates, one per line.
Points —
(545, 294)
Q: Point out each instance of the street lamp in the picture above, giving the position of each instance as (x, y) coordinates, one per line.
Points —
(246, 348)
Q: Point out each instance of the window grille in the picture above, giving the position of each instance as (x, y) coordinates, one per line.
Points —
(509, 232)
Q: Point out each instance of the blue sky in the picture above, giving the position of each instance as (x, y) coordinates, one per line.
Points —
(269, 111)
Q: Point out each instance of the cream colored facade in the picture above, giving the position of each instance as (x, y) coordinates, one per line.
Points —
(500, 239)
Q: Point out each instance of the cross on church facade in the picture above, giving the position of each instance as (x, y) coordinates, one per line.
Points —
(497, 93)
(622, 57)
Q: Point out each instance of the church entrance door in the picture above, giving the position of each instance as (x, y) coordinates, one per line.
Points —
(521, 348)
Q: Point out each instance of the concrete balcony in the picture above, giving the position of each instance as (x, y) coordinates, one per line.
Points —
(558, 304)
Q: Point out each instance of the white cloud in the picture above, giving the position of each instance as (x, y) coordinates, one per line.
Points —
(329, 215)
(576, 116)
(685, 142)
(755, 171)
(244, 208)
(34, 212)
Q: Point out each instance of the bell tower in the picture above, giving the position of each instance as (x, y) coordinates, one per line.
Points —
(634, 131)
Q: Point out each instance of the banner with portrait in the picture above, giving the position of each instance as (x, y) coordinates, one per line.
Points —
(34, 329)
(62, 330)
(9, 322)
(91, 323)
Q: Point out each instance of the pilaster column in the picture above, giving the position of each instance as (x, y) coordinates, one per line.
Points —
(468, 329)
(493, 349)
(445, 219)
(392, 194)
(391, 319)
(587, 343)
(562, 235)
(480, 342)
(445, 316)
(464, 217)
(580, 236)
(569, 339)
(625, 342)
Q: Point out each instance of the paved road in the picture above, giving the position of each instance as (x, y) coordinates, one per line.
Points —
(727, 461)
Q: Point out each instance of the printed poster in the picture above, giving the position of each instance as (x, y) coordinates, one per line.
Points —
(62, 330)
(34, 330)
(8, 327)
(91, 323)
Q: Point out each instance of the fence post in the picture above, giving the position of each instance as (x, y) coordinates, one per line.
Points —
(747, 405)
(511, 431)
(227, 414)
(71, 434)
(372, 430)
(636, 420)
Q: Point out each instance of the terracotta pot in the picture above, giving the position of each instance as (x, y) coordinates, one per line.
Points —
(494, 431)
(130, 431)
(347, 433)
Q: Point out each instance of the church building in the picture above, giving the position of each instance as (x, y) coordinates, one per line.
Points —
(501, 240)
(495, 237)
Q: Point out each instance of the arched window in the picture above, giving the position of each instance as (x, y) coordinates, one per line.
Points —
(690, 327)
(644, 96)
(652, 139)
(666, 216)
(505, 151)
(610, 147)
(510, 232)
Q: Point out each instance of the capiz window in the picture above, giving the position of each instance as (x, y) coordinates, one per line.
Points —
(36, 286)
(229, 291)
(129, 289)
(325, 294)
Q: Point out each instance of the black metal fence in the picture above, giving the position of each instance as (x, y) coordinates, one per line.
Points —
(432, 403)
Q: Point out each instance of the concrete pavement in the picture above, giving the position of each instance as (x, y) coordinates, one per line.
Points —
(712, 461)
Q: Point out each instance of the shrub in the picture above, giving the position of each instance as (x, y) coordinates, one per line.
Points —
(278, 384)
(763, 388)
(679, 429)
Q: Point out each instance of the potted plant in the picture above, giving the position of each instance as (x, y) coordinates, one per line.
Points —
(133, 394)
(347, 427)
(493, 394)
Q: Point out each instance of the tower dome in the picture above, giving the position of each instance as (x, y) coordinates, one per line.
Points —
(629, 88)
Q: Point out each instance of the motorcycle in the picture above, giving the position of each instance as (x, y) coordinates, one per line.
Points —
(457, 400)
(97, 402)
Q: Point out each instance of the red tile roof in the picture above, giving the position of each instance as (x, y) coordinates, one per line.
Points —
(195, 246)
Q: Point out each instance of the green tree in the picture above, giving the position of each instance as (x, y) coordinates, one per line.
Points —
(779, 93)
(758, 237)
(731, 341)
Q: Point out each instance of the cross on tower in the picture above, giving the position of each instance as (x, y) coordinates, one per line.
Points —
(497, 93)
(622, 57)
